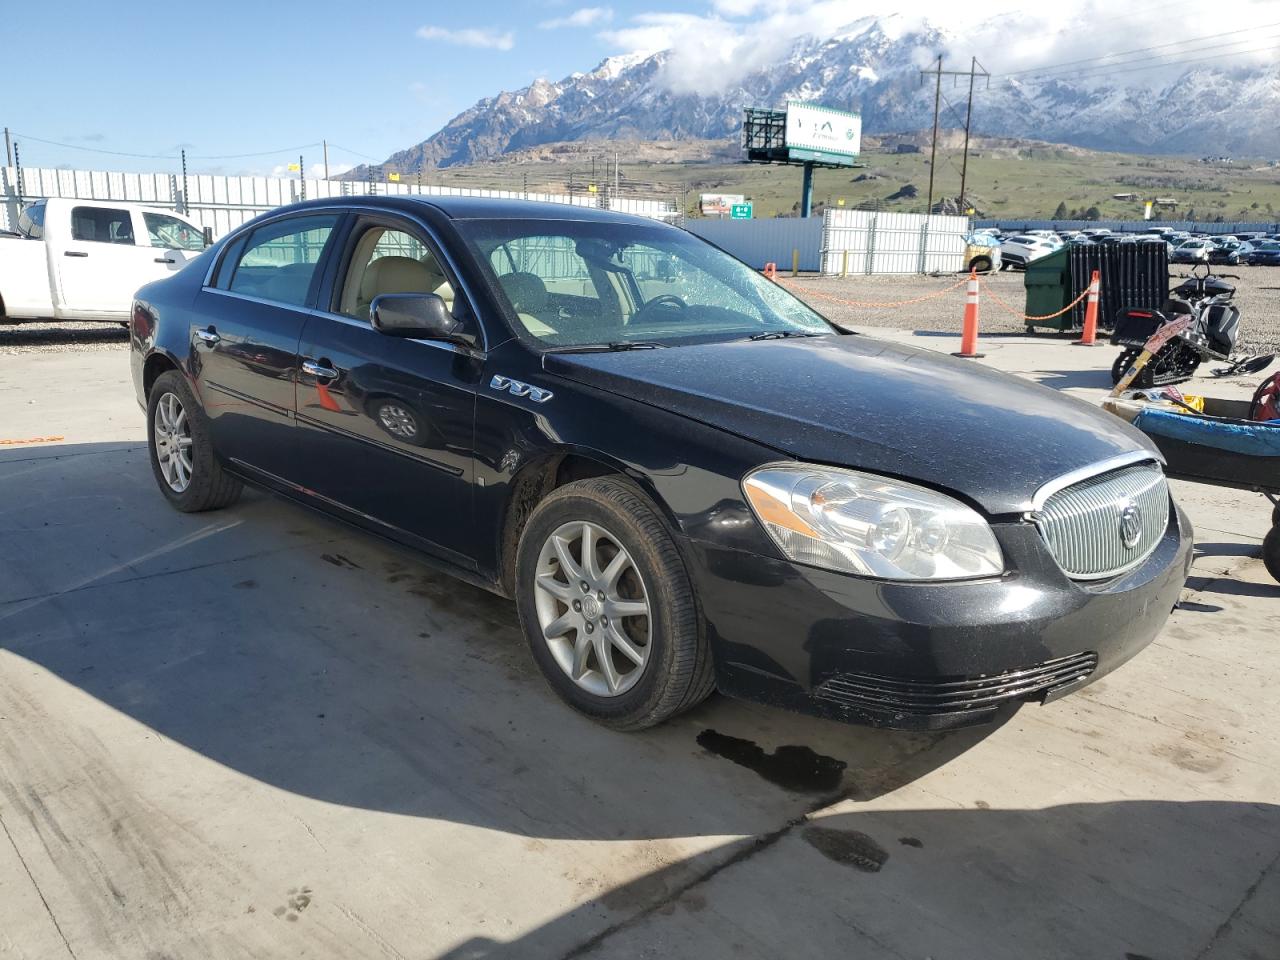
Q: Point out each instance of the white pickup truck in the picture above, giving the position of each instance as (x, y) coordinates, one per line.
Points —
(83, 259)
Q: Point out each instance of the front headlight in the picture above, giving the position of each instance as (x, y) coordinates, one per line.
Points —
(876, 527)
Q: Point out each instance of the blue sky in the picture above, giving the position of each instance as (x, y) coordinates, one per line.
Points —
(239, 83)
(237, 77)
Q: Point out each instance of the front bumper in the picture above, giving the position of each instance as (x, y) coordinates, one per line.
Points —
(928, 656)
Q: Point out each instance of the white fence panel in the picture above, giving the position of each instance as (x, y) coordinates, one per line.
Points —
(870, 242)
(223, 203)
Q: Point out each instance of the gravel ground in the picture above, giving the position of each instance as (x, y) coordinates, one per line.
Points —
(61, 337)
(1257, 296)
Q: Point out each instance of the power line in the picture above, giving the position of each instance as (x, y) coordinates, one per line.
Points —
(1128, 53)
(161, 156)
(1146, 66)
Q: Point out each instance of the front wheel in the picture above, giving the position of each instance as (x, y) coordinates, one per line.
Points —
(182, 458)
(607, 608)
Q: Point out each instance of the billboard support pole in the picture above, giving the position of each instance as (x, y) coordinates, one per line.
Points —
(806, 191)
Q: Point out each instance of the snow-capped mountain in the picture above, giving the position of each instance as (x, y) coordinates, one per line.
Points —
(1217, 109)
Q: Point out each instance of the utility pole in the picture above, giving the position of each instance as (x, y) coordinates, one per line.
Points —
(302, 177)
(968, 121)
(973, 71)
(8, 149)
(933, 146)
(325, 145)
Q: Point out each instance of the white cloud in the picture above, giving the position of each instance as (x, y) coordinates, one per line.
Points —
(482, 37)
(713, 50)
(315, 170)
(582, 17)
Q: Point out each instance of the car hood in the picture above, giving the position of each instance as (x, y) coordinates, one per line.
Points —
(860, 402)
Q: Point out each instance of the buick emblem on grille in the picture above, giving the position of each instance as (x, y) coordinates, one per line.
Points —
(1130, 524)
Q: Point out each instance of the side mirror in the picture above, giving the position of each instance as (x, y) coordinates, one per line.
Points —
(415, 316)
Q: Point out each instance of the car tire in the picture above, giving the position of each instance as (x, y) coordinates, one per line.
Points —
(569, 627)
(980, 264)
(1271, 552)
(176, 423)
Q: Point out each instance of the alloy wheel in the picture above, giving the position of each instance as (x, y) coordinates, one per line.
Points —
(173, 442)
(593, 608)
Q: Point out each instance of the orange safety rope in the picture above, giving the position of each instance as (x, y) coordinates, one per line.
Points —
(1023, 316)
(872, 303)
(15, 443)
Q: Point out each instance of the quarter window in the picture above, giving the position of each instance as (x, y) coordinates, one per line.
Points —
(172, 233)
(101, 225)
(279, 260)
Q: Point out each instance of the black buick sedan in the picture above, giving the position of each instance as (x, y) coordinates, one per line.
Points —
(686, 479)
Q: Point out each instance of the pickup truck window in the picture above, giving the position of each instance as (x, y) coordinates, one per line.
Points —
(279, 260)
(172, 233)
(101, 225)
(31, 220)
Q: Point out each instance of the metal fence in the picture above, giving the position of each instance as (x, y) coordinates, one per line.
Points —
(1127, 226)
(870, 242)
(758, 242)
(224, 202)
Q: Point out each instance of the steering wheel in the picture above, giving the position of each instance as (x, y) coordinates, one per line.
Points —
(654, 306)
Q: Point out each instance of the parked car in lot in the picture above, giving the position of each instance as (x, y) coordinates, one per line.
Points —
(83, 259)
(982, 252)
(1195, 250)
(1226, 252)
(1265, 254)
(684, 484)
(1020, 250)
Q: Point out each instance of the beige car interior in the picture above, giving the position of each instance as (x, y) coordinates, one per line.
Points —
(529, 298)
(371, 275)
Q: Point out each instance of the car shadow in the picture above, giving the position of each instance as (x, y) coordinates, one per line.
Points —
(1063, 379)
(325, 662)
(1131, 879)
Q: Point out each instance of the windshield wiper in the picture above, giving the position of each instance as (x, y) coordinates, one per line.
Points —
(616, 346)
(782, 335)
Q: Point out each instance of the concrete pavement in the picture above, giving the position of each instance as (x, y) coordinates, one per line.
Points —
(260, 733)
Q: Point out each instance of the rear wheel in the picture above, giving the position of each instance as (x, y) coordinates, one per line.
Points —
(981, 264)
(182, 458)
(607, 607)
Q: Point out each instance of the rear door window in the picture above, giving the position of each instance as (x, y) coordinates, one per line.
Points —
(101, 225)
(279, 260)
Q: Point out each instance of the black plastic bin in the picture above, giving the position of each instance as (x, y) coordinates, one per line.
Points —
(1134, 276)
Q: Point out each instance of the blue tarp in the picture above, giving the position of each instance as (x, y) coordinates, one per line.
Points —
(1254, 439)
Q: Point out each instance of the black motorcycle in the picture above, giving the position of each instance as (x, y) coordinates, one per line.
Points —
(1212, 335)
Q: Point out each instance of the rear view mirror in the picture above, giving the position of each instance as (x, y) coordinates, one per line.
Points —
(415, 316)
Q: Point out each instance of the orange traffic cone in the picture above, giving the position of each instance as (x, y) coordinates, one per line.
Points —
(771, 270)
(1090, 336)
(969, 336)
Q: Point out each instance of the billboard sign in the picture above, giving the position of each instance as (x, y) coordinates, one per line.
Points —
(720, 204)
(822, 134)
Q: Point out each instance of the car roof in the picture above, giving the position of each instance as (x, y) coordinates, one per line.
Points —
(477, 208)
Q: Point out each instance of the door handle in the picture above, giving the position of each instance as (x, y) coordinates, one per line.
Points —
(74, 253)
(321, 370)
(165, 260)
(208, 336)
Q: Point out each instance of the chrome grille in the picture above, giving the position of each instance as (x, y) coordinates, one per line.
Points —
(1082, 523)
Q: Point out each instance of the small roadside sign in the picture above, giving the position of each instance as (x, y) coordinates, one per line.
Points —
(393, 177)
(740, 211)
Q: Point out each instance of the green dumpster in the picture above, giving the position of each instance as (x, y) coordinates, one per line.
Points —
(1048, 283)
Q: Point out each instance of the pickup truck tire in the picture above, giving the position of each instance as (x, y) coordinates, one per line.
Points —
(599, 576)
(176, 424)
